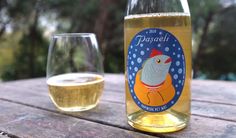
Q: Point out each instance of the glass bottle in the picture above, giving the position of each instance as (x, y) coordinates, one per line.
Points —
(157, 35)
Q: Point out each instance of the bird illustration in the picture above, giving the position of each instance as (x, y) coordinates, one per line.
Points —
(153, 83)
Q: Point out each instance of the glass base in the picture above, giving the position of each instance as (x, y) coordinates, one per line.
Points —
(76, 109)
(164, 122)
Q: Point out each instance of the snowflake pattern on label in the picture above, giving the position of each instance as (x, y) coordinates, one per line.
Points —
(155, 69)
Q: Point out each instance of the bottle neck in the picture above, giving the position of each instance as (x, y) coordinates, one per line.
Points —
(157, 6)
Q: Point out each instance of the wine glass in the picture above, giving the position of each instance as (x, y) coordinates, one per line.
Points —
(75, 71)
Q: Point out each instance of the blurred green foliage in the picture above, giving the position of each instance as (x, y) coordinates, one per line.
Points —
(214, 34)
(26, 26)
(220, 47)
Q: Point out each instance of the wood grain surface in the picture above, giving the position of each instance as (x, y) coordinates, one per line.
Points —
(26, 111)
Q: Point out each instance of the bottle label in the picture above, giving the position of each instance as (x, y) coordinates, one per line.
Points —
(155, 69)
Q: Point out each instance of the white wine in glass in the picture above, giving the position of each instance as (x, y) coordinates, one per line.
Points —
(75, 71)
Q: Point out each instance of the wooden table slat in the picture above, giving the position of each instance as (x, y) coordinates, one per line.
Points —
(202, 90)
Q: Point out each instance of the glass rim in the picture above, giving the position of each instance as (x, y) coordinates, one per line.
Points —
(72, 35)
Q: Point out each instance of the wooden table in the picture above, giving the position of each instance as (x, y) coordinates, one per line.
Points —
(26, 111)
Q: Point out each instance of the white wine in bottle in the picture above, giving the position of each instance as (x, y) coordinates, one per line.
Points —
(158, 67)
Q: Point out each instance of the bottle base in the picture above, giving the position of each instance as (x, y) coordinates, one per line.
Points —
(165, 122)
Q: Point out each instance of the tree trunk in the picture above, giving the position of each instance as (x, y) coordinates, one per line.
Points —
(3, 3)
(33, 42)
(100, 25)
(201, 46)
(2, 30)
(101, 21)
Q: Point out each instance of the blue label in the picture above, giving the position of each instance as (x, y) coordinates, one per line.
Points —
(155, 69)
